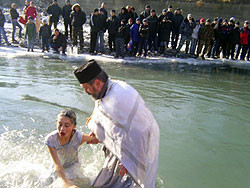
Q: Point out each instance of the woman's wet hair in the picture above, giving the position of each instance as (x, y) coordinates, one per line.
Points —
(69, 114)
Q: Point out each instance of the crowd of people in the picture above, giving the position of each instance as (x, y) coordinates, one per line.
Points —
(134, 34)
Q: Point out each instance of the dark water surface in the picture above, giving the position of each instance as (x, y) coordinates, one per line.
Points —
(203, 114)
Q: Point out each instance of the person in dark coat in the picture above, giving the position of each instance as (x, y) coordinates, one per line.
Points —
(177, 21)
(153, 31)
(167, 27)
(144, 34)
(231, 25)
(224, 37)
(103, 9)
(215, 21)
(94, 29)
(123, 15)
(217, 39)
(134, 14)
(100, 35)
(44, 34)
(77, 19)
(135, 36)
(66, 11)
(164, 33)
(205, 34)
(129, 12)
(120, 39)
(112, 26)
(186, 30)
(145, 13)
(14, 17)
(58, 42)
(55, 11)
(127, 33)
(235, 39)
(2, 30)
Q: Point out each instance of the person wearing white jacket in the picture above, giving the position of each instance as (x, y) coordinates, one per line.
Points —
(194, 39)
(125, 126)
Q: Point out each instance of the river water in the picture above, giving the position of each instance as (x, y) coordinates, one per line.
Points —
(203, 115)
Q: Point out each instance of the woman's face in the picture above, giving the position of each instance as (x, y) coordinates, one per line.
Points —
(64, 126)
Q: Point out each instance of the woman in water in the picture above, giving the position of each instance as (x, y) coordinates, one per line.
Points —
(63, 145)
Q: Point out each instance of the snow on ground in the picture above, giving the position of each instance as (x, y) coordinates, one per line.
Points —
(12, 52)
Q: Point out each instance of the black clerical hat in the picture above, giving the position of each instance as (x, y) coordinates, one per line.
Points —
(87, 71)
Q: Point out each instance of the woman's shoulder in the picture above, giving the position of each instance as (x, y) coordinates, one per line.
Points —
(77, 136)
(51, 138)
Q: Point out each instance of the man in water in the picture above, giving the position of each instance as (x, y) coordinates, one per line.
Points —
(126, 127)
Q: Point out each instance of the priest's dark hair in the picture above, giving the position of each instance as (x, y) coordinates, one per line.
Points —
(102, 76)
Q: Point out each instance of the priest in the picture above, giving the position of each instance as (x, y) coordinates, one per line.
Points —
(125, 126)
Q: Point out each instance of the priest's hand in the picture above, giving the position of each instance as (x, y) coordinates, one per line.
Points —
(94, 140)
(123, 170)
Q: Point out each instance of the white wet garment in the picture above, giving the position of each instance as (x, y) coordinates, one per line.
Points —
(68, 153)
(129, 131)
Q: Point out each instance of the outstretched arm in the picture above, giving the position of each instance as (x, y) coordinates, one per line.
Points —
(89, 139)
(59, 168)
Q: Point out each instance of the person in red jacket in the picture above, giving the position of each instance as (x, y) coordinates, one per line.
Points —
(31, 11)
(244, 37)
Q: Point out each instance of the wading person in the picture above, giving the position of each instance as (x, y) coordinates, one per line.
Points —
(63, 145)
(14, 18)
(125, 126)
(78, 18)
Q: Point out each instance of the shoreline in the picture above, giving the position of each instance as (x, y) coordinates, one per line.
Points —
(19, 50)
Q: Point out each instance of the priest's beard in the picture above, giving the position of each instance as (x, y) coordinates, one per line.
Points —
(95, 94)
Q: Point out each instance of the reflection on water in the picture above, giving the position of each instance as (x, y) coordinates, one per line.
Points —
(203, 114)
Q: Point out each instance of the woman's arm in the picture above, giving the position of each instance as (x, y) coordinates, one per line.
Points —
(59, 167)
(89, 139)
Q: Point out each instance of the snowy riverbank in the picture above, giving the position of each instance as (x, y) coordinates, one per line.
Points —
(13, 51)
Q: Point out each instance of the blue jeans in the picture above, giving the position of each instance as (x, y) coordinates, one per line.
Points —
(119, 42)
(100, 36)
(2, 32)
(193, 45)
(16, 24)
